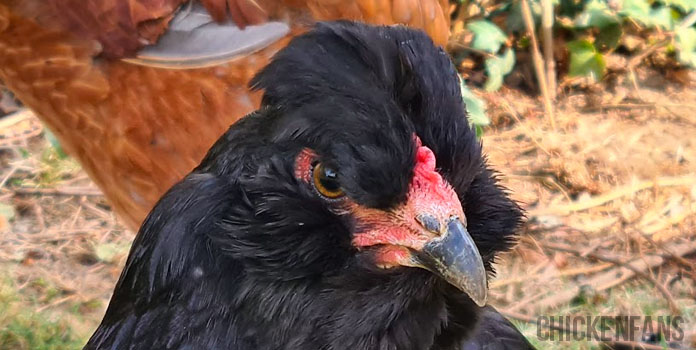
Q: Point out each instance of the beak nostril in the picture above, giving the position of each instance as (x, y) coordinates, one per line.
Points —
(429, 222)
(457, 218)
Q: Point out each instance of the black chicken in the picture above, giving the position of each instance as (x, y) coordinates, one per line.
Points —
(354, 210)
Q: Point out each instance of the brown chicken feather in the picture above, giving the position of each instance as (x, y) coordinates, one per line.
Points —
(136, 129)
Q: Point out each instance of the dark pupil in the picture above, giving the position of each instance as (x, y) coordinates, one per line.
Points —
(329, 179)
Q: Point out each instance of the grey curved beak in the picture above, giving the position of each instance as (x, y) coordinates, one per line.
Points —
(455, 257)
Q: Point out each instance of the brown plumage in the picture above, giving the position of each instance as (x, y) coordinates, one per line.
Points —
(137, 129)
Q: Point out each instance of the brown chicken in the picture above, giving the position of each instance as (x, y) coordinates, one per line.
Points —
(138, 117)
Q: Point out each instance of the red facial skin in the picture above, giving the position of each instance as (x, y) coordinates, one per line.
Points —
(303, 165)
(395, 233)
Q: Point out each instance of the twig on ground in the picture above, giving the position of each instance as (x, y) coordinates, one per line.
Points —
(642, 271)
(627, 344)
(104, 215)
(636, 60)
(16, 117)
(526, 301)
(41, 222)
(678, 259)
(661, 223)
(529, 132)
(530, 275)
(469, 48)
(688, 21)
(55, 303)
(619, 192)
(518, 316)
(621, 106)
(59, 235)
(615, 276)
(585, 270)
(61, 191)
(592, 248)
(8, 176)
(76, 216)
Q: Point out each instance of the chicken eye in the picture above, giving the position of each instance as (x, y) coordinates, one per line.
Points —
(326, 181)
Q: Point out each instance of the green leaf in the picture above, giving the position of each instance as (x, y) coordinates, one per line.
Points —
(497, 68)
(685, 5)
(487, 36)
(479, 131)
(596, 17)
(636, 9)
(585, 60)
(475, 107)
(686, 46)
(596, 5)
(515, 21)
(662, 17)
(55, 143)
(106, 252)
(608, 37)
(24, 152)
(641, 11)
(570, 8)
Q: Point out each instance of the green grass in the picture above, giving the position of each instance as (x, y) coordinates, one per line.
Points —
(22, 328)
(56, 167)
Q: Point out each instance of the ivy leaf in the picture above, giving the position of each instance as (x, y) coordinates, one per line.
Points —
(570, 8)
(487, 36)
(515, 21)
(597, 15)
(684, 5)
(585, 60)
(641, 11)
(663, 17)
(686, 46)
(608, 37)
(636, 9)
(497, 68)
(475, 107)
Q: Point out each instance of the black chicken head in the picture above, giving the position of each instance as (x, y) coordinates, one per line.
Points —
(351, 210)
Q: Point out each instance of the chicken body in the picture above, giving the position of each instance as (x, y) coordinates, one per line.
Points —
(137, 129)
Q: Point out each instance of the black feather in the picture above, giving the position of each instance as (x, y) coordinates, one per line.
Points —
(496, 333)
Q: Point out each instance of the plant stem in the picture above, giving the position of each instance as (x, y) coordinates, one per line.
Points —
(538, 62)
(547, 37)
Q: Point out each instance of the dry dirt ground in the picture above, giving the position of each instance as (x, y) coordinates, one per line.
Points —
(610, 196)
